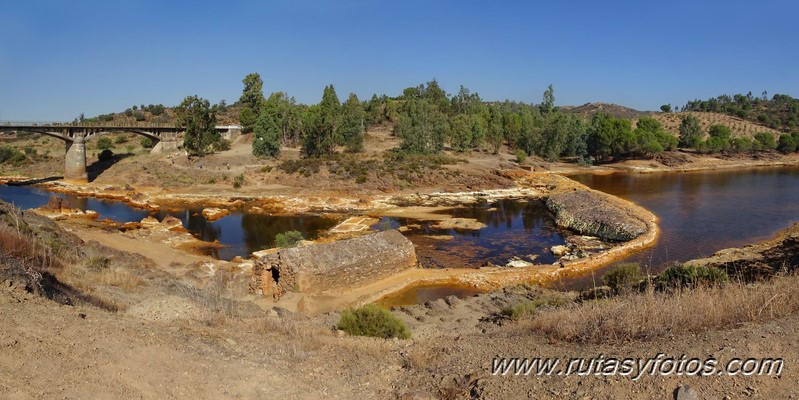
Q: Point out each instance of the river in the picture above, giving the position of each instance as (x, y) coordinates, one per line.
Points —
(705, 211)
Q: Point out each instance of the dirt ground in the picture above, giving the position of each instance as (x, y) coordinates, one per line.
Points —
(76, 352)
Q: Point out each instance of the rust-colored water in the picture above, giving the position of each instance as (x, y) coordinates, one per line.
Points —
(703, 212)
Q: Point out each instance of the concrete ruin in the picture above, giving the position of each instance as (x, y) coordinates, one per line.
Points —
(337, 265)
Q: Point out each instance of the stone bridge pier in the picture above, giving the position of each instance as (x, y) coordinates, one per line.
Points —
(75, 168)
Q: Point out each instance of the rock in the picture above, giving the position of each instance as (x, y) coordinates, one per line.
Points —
(559, 250)
(170, 222)
(149, 222)
(459, 223)
(686, 392)
(518, 264)
(592, 213)
(213, 213)
(56, 203)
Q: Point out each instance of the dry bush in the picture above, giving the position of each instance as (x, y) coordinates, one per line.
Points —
(657, 314)
(291, 336)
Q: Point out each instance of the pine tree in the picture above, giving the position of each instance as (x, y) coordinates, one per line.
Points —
(351, 127)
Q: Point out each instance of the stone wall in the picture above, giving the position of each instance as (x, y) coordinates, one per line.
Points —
(345, 263)
(596, 214)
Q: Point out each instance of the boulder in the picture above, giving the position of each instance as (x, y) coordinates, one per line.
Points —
(592, 213)
(559, 250)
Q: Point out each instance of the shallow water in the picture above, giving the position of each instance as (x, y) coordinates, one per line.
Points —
(241, 233)
(703, 212)
(514, 228)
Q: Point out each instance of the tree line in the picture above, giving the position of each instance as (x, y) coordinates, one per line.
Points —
(428, 120)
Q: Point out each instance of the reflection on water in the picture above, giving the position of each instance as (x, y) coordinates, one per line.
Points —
(514, 228)
(242, 233)
(703, 212)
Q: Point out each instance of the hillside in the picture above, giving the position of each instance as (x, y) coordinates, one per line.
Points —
(780, 112)
(587, 110)
(740, 128)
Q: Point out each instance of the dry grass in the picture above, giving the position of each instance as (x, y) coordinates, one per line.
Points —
(658, 314)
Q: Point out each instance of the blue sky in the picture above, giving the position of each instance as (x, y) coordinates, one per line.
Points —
(61, 58)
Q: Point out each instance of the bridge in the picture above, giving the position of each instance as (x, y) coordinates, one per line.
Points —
(75, 135)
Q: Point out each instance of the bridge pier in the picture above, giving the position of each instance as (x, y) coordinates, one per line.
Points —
(168, 143)
(75, 168)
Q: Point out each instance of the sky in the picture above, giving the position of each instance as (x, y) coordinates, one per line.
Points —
(62, 58)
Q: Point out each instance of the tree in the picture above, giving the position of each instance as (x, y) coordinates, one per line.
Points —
(266, 142)
(478, 130)
(652, 137)
(549, 100)
(195, 116)
(460, 132)
(666, 108)
(495, 134)
(422, 127)
(610, 137)
(252, 97)
(253, 94)
(351, 127)
(513, 127)
(247, 117)
(690, 132)
(530, 134)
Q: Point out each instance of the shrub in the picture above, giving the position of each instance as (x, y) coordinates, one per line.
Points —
(119, 139)
(106, 117)
(372, 320)
(239, 181)
(520, 156)
(623, 276)
(222, 145)
(157, 109)
(104, 143)
(741, 144)
(787, 143)
(690, 276)
(288, 239)
(529, 307)
(766, 140)
(146, 143)
(139, 116)
(11, 155)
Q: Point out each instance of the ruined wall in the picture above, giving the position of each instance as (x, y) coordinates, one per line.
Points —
(345, 263)
(595, 214)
